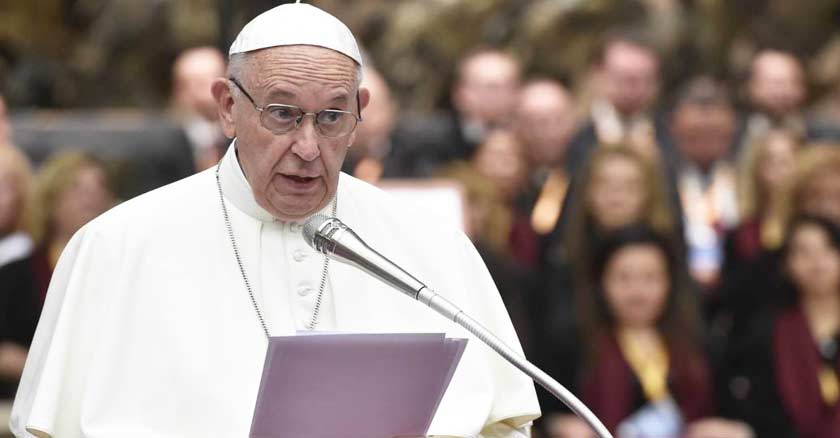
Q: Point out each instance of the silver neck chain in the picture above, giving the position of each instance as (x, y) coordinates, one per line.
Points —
(313, 323)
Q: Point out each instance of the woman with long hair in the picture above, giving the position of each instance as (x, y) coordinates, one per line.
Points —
(70, 189)
(617, 187)
(783, 377)
(812, 188)
(767, 167)
(644, 358)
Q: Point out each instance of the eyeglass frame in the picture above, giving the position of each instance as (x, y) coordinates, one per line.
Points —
(299, 121)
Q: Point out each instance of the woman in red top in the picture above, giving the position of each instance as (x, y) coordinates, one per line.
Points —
(642, 328)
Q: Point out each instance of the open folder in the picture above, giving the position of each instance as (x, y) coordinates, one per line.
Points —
(353, 385)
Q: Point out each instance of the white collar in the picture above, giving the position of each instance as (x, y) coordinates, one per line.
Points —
(238, 191)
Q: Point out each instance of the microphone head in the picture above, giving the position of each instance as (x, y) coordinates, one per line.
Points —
(311, 228)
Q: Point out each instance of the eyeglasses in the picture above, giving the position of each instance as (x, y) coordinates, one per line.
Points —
(280, 119)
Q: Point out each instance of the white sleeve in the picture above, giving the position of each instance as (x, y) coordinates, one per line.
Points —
(515, 403)
(49, 395)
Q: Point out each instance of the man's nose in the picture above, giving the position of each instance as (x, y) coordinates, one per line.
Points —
(306, 140)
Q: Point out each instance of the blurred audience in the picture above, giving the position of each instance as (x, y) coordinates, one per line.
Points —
(502, 161)
(702, 127)
(489, 181)
(628, 82)
(15, 245)
(484, 96)
(776, 92)
(483, 99)
(15, 177)
(70, 189)
(783, 377)
(544, 122)
(192, 75)
(618, 187)
(815, 187)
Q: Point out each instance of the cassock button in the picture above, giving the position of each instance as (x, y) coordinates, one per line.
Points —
(304, 290)
(299, 255)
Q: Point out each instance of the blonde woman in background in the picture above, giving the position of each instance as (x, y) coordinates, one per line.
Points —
(490, 181)
(15, 178)
(812, 188)
(765, 168)
(15, 244)
(815, 189)
(70, 189)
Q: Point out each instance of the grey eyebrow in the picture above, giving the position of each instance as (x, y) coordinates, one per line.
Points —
(279, 93)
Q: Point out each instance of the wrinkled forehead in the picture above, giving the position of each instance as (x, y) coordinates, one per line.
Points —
(300, 65)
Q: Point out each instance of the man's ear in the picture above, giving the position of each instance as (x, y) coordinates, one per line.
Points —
(224, 103)
(364, 98)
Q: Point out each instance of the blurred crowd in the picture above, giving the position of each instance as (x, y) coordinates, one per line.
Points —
(671, 257)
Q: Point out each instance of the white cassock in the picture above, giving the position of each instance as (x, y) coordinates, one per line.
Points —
(148, 330)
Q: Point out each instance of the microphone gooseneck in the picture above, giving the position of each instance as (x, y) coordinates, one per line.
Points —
(331, 237)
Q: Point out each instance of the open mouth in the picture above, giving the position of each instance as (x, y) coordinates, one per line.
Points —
(298, 182)
(299, 179)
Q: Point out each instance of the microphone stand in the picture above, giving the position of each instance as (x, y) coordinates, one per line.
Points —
(445, 308)
(331, 237)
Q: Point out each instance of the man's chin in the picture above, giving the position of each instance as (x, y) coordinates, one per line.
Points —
(296, 211)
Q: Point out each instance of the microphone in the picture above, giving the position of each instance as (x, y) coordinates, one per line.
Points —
(331, 237)
(334, 239)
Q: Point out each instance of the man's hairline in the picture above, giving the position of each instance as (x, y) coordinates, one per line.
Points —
(237, 61)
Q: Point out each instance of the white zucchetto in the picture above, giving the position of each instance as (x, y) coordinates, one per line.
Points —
(296, 24)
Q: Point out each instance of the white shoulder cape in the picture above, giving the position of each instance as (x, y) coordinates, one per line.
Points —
(147, 330)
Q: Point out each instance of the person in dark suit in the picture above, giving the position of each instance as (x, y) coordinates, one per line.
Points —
(776, 94)
(483, 98)
(193, 72)
(623, 111)
(703, 127)
(383, 145)
(544, 122)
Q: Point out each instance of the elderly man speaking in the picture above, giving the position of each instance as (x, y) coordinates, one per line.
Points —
(158, 313)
